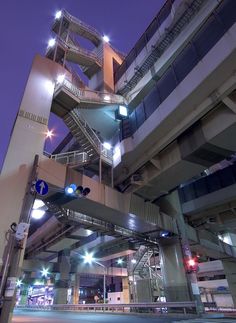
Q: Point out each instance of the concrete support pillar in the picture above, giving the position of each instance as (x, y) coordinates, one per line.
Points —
(176, 254)
(230, 272)
(76, 289)
(125, 290)
(24, 294)
(62, 281)
(173, 273)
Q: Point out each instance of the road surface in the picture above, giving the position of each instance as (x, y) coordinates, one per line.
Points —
(21, 316)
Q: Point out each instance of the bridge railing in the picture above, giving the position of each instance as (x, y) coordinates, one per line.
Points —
(160, 307)
(90, 95)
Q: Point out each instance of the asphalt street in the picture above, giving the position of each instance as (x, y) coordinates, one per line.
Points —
(21, 316)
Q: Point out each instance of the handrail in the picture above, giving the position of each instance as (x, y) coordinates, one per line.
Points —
(90, 29)
(112, 307)
(89, 132)
(71, 157)
(90, 95)
(80, 50)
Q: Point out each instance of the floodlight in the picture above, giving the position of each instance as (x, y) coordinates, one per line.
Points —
(45, 272)
(51, 42)
(107, 145)
(88, 258)
(58, 14)
(107, 97)
(106, 39)
(60, 78)
(123, 111)
(37, 204)
(37, 214)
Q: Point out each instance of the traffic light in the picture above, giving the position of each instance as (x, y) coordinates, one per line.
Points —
(75, 190)
(192, 265)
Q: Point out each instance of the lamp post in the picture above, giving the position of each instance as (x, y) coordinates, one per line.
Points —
(88, 258)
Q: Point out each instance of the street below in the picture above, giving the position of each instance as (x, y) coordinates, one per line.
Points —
(21, 316)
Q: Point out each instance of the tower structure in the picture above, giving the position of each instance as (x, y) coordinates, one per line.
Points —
(178, 84)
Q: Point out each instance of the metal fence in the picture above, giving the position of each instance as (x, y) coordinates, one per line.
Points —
(159, 307)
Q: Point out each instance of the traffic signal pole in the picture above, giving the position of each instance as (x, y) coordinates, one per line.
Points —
(16, 250)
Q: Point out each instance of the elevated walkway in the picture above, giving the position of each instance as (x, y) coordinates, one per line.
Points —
(67, 96)
(127, 212)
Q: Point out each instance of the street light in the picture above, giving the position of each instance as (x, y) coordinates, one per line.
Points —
(88, 258)
(45, 272)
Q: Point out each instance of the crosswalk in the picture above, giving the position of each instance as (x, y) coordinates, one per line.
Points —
(208, 320)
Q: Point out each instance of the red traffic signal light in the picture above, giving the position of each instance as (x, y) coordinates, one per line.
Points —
(191, 265)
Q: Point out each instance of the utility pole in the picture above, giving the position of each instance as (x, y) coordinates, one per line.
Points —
(16, 250)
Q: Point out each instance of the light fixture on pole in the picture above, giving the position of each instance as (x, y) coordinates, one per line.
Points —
(88, 258)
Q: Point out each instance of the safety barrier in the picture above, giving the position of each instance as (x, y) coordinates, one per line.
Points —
(158, 307)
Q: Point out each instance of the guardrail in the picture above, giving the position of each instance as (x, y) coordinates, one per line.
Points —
(71, 157)
(90, 95)
(159, 307)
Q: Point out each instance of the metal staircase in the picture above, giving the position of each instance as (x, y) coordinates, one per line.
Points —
(88, 97)
(86, 137)
(161, 46)
(78, 27)
(141, 269)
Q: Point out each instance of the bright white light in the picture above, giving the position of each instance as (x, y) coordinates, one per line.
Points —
(49, 134)
(51, 42)
(107, 145)
(106, 39)
(123, 111)
(45, 272)
(19, 283)
(89, 232)
(38, 204)
(107, 97)
(69, 190)
(191, 262)
(88, 258)
(133, 261)
(116, 154)
(120, 261)
(49, 85)
(37, 214)
(60, 78)
(58, 14)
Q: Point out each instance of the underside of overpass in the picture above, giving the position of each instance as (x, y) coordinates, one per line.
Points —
(165, 193)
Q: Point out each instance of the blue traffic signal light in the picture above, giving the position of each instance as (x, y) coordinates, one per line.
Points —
(75, 190)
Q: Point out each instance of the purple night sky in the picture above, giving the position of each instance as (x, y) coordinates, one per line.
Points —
(25, 30)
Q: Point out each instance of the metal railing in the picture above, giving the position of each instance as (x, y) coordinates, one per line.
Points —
(134, 307)
(91, 135)
(90, 95)
(71, 157)
(86, 128)
(86, 27)
(79, 50)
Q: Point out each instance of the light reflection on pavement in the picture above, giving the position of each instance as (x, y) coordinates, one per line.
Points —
(21, 316)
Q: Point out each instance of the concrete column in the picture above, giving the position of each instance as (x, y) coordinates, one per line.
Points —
(230, 272)
(26, 281)
(174, 255)
(62, 281)
(125, 290)
(173, 273)
(76, 289)
(24, 294)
